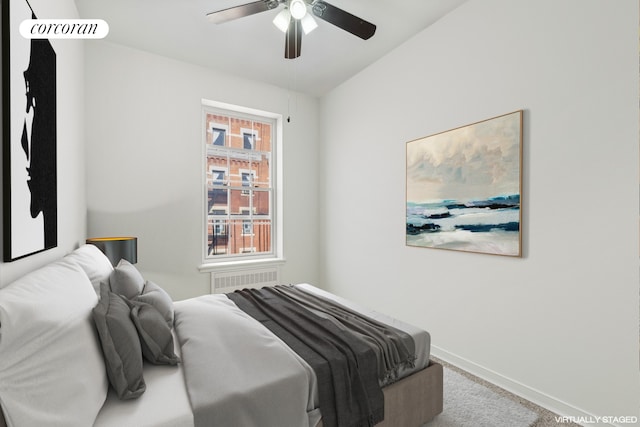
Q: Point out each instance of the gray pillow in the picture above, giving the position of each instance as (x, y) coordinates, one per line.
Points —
(126, 280)
(120, 344)
(155, 335)
(159, 298)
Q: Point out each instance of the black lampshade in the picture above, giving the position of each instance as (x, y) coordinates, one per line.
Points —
(117, 248)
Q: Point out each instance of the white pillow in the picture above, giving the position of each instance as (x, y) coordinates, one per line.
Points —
(94, 263)
(51, 367)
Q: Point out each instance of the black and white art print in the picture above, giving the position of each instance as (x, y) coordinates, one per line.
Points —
(29, 137)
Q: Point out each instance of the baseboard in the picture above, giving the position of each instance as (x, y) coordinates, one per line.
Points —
(535, 396)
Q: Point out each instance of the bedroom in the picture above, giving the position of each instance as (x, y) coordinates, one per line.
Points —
(558, 326)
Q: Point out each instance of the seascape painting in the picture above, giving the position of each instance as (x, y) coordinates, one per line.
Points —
(464, 187)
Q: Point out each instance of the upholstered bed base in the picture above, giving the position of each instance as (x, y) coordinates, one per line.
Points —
(414, 400)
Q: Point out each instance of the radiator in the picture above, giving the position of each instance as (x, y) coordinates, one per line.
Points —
(230, 280)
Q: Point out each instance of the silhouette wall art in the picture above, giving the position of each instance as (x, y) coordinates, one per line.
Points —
(29, 137)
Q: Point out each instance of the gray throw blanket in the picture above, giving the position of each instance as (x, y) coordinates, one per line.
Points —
(394, 349)
(331, 338)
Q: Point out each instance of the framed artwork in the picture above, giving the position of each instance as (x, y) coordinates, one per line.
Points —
(464, 186)
(29, 168)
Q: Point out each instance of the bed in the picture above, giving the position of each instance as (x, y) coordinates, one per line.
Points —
(82, 343)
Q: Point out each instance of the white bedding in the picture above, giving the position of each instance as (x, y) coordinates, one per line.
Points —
(166, 401)
(164, 404)
(237, 372)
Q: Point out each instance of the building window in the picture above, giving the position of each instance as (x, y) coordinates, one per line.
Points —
(217, 193)
(247, 181)
(249, 140)
(220, 228)
(241, 193)
(247, 227)
(218, 136)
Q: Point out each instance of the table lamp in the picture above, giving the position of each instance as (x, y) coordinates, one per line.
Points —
(117, 248)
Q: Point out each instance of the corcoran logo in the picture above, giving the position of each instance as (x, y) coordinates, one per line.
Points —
(64, 29)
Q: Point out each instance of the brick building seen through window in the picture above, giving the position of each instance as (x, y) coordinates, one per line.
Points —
(239, 185)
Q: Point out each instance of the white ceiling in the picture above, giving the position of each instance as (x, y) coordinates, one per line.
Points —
(252, 47)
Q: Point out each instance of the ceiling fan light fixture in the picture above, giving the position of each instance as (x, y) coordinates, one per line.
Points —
(296, 20)
(298, 9)
(308, 23)
(282, 20)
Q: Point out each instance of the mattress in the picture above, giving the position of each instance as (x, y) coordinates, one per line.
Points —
(165, 402)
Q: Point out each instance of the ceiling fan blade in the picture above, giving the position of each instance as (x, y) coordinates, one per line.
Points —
(342, 19)
(293, 40)
(241, 11)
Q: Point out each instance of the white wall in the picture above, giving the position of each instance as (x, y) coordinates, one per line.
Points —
(144, 161)
(70, 145)
(560, 324)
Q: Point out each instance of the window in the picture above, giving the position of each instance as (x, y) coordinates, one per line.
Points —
(218, 136)
(247, 227)
(249, 140)
(220, 228)
(217, 194)
(247, 181)
(241, 221)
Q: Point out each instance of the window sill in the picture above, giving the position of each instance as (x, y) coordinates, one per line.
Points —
(226, 265)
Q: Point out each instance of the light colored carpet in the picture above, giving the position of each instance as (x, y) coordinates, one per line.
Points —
(470, 404)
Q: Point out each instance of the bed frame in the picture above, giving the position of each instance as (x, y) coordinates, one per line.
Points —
(410, 402)
(414, 400)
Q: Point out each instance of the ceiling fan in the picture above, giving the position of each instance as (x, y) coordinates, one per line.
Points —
(294, 19)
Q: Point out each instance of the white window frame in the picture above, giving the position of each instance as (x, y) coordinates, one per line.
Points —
(276, 256)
